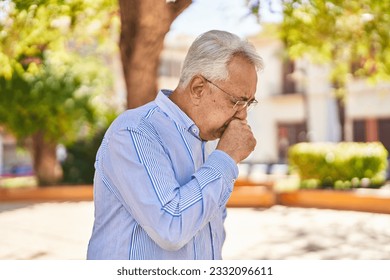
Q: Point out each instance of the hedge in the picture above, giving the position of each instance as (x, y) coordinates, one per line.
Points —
(339, 165)
(78, 166)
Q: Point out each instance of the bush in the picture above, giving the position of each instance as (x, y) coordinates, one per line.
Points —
(341, 166)
(78, 166)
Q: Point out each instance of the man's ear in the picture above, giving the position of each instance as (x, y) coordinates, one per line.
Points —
(197, 88)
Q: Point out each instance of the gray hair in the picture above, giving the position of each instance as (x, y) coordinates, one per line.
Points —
(210, 54)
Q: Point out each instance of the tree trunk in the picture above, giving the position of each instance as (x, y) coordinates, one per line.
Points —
(339, 85)
(144, 24)
(341, 113)
(46, 166)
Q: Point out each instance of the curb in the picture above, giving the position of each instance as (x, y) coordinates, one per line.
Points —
(365, 200)
(252, 196)
(58, 193)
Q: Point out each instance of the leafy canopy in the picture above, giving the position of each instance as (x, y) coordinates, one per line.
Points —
(50, 70)
(353, 35)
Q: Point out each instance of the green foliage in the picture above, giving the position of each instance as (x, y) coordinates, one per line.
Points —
(343, 33)
(50, 70)
(55, 99)
(342, 166)
(53, 74)
(78, 166)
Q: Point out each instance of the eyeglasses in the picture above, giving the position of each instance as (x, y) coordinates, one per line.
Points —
(240, 104)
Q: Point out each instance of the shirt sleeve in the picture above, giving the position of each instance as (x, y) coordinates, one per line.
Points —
(139, 172)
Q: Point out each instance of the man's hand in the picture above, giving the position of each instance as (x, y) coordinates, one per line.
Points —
(237, 140)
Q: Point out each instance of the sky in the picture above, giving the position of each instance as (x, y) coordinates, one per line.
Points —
(3, 8)
(229, 15)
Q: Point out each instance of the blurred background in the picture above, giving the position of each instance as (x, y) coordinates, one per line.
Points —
(68, 68)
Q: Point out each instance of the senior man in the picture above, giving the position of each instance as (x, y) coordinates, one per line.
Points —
(160, 192)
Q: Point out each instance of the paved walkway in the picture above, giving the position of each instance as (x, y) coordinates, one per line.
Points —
(61, 231)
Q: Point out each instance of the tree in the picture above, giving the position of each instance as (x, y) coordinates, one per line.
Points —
(351, 36)
(46, 86)
(144, 26)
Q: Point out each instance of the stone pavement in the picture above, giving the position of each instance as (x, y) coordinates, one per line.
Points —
(61, 231)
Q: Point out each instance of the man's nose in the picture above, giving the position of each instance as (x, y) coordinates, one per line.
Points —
(242, 115)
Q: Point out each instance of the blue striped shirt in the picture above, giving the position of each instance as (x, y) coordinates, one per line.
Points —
(158, 192)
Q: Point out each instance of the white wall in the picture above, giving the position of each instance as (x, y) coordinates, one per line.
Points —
(366, 100)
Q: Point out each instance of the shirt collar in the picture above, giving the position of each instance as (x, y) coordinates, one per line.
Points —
(175, 113)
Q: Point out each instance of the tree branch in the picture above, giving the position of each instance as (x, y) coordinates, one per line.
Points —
(177, 7)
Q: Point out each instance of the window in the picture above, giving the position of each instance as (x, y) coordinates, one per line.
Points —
(384, 132)
(359, 130)
(288, 135)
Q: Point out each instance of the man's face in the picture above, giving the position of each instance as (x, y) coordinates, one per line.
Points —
(218, 102)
